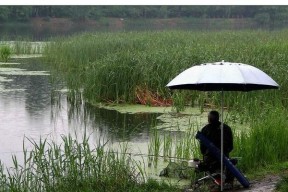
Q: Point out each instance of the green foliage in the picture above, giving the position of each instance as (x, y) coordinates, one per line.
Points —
(265, 143)
(272, 16)
(262, 18)
(27, 47)
(154, 148)
(282, 186)
(111, 66)
(73, 165)
(22, 13)
(5, 53)
(4, 13)
(167, 146)
(178, 102)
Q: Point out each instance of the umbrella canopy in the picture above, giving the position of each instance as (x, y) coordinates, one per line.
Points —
(224, 76)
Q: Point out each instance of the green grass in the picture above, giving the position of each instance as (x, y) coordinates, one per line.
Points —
(27, 47)
(282, 186)
(24, 47)
(154, 148)
(262, 145)
(5, 53)
(265, 143)
(75, 166)
(171, 146)
(109, 67)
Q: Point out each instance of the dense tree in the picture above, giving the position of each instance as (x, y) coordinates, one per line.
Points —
(261, 14)
(20, 13)
(4, 13)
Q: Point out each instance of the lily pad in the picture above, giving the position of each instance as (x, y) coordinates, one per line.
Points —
(172, 121)
(132, 109)
(7, 63)
(26, 56)
(4, 79)
(11, 90)
(18, 71)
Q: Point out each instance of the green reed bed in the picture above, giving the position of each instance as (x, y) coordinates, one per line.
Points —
(186, 148)
(154, 148)
(5, 53)
(75, 166)
(262, 145)
(28, 47)
(167, 146)
(266, 142)
(111, 67)
(175, 147)
(24, 47)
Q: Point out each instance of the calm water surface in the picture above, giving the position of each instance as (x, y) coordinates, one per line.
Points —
(27, 110)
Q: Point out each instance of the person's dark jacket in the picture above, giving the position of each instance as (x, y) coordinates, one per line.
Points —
(213, 133)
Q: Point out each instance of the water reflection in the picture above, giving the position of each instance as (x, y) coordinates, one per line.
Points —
(119, 126)
(26, 108)
(37, 87)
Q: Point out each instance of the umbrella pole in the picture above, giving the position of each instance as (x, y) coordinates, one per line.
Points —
(222, 176)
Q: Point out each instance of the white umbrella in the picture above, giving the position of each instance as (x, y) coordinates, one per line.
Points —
(223, 76)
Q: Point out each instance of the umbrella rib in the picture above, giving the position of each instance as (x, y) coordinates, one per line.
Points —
(244, 82)
(202, 76)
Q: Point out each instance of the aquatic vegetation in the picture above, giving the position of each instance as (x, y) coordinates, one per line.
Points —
(27, 47)
(111, 67)
(265, 142)
(75, 165)
(167, 146)
(173, 146)
(154, 148)
(24, 47)
(116, 67)
(5, 53)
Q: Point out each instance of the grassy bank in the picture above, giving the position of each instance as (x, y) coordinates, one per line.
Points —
(136, 66)
(75, 166)
(260, 146)
(118, 67)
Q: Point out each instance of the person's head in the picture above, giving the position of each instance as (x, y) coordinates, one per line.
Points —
(213, 117)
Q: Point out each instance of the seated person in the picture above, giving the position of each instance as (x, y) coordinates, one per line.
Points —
(213, 132)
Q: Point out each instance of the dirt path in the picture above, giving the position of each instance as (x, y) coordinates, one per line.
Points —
(267, 184)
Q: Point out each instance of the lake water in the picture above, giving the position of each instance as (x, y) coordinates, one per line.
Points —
(32, 107)
(27, 109)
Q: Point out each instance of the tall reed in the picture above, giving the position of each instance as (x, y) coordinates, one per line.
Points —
(110, 67)
(167, 146)
(25, 46)
(154, 148)
(74, 166)
(266, 142)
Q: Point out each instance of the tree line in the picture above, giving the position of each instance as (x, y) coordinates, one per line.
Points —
(261, 13)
